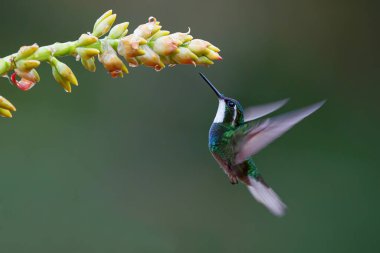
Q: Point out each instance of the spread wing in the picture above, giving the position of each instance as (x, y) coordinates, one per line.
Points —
(258, 111)
(253, 137)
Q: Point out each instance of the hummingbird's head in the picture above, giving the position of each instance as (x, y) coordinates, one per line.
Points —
(229, 110)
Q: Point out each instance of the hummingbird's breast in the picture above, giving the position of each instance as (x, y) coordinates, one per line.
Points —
(219, 140)
(222, 148)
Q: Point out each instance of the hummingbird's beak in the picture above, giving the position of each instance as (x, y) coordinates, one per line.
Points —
(220, 95)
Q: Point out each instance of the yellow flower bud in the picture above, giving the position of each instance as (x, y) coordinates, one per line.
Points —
(5, 113)
(63, 82)
(85, 40)
(203, 60)
(104, 26)
(214, 56)
(198, 46)
(66, 73)
(159, 34)
(102, 17)
(119, 30)
(4, 66)
(185, 56)
(87, 53)
(89, 64)
(63, 74)
(183, 37)
(26, 51)
(214, 48)
(204, 48)
(27, 65)
(5, 104)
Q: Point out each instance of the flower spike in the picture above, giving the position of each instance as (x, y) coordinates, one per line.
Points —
(148, 45)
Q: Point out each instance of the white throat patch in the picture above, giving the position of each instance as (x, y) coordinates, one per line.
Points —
(219, 117)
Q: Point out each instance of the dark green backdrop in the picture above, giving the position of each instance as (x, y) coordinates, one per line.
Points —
(123, 166)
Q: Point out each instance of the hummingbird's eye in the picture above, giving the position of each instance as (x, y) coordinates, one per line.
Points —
(230, 104)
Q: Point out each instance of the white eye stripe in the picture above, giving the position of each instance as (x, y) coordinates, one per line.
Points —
(221, 113)
(219, 117)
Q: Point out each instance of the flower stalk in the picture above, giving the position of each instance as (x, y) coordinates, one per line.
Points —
(148, 45)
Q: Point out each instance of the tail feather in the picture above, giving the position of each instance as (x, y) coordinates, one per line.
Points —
(265, 195)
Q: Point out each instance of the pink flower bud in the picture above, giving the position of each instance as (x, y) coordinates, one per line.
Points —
(112, 62)
(166, 45)
(129, 46)
(147, 30)
(183, 37)
(150, 58)
(204, 48)
(214, 56)
(28, 79)
(31, 75)
(23, 84)
(199, 47)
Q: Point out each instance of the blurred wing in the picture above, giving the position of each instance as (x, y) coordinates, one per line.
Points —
(262, 134)
(258, 111)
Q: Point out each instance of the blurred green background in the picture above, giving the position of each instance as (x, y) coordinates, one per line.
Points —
(123, 165)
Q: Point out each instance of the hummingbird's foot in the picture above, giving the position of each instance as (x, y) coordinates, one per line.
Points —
(233, 179)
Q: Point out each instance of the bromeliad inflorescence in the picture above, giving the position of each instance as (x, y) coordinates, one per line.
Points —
(148, 45)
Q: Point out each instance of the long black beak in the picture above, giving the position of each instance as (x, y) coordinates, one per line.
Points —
(220, 95)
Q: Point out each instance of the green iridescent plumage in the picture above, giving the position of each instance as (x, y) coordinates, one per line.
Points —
(235, 136)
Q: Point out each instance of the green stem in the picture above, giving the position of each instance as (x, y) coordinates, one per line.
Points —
(44, 53)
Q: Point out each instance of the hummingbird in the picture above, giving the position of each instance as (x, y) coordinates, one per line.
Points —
(236, 135)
